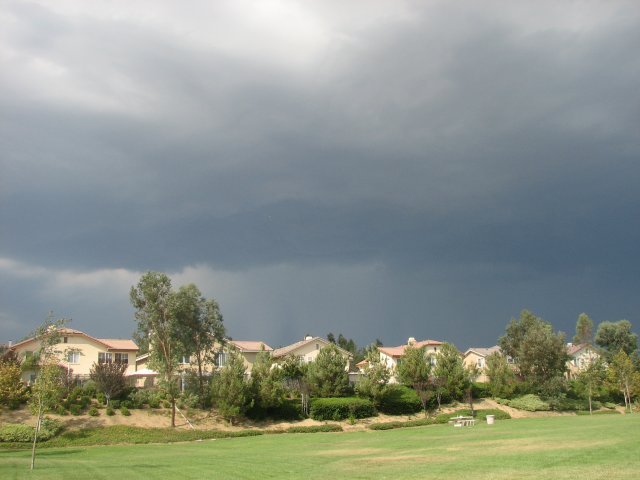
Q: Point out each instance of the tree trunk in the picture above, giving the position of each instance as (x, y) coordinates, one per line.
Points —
(173, 412)
(35, 437)
(590, 408)
(200, 383)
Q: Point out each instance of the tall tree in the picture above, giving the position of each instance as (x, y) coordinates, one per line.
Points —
(584, 330)
(230, 390)
(200, 328)
(615, 336)
(154, 302)
(449, 374)
(328, 375)
(621, 375)
(12, 390)
(47, 389)
(590, 380)
(501, 377)
(415, 370)
(266, 383)
(376, 377)
(296, 377)
(109, 378)
(539, 352)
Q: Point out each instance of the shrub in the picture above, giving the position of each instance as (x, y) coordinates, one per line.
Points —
(110, 411)
(127, 403)
(166, 404)
(530, 403)
(60, 410)
(85, 401)
(93, 411)
(399, 400)
(89, 388)
(115, 404)
(125, 411)
(75, 409)
(24, 433)
(480, 390)
(599, 412)
(341, 408)
(101, 398)
(331, 427)
(154, 402)
(289, 409)
(421, 422)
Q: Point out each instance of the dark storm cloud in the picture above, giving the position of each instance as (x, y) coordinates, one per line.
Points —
(477, 159)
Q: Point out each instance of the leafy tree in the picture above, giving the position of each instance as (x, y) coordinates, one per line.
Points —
(415, 370)
(155, 303)
(376, 377)
(449, 374)
(200, 327)
(622, 375)
(48, 387)
(540, 353)
(615, 336)
(230, 391)
(12, 390)
(502, 380)
(590, 380)
(266, 383)
(584, 330)
(328, 375)
(109, 378)
(296, 377)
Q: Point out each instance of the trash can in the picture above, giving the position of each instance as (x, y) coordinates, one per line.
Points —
(490, 419)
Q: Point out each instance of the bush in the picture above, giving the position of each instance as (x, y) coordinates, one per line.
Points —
(115, 404)
(101, 398)
(24, 433)
(60, 410)
(89, 389)
(399, 400)
(127, 403)
(85, 401)
(332, 427)
(480, 390)
(599, 412)
(110, 411)
(93, 411)
(421, 422)
(530, 403)
(125, 411)
(154, 402)
(341, 408)
(75, 409)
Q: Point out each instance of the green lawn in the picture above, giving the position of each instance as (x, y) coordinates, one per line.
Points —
(599, 447)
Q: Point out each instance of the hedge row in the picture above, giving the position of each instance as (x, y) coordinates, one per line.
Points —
(399, 400)
(341, 408)
(330, 427)
(20, 433)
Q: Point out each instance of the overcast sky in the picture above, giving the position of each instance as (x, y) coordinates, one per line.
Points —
(381, 169)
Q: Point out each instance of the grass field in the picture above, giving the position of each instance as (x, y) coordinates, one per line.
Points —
(602, 447)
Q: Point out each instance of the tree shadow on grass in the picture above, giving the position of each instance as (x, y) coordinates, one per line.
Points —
(58, 453)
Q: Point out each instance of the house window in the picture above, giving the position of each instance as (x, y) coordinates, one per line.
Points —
(73, 357)
(432, 359)
(122, 358)
(317, 346)
(221, 359)
(480, 363)
(32, 379)
(65, 340)
(184, 360)
(104, 357)
(301, 358)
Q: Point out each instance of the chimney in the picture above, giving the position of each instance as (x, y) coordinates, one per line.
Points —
(308, 337)
(411, 341)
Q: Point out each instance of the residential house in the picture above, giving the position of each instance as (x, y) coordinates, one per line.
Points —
(477, 357)
(249, 349)
(77, 352)
(307, 350)
(582, 355)
(392, 356)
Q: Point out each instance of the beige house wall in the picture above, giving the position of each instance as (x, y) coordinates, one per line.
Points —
(87, 349)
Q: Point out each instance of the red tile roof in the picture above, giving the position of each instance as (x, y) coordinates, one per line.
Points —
(251, 346)
(399, 350)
